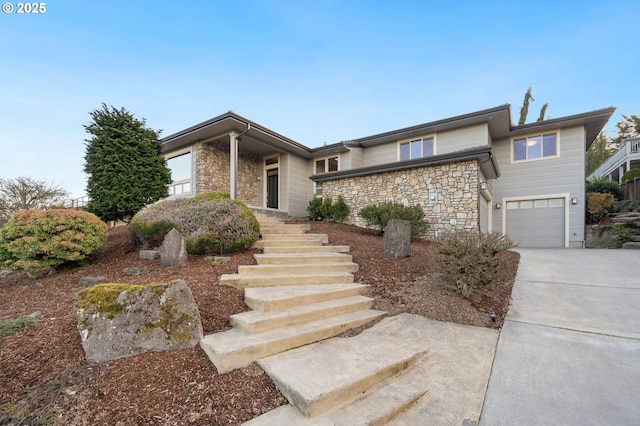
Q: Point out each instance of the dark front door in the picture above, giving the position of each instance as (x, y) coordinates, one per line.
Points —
(272, 188)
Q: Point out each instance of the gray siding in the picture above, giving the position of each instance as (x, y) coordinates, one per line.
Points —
(380, 154)
(536, 179)
(299, 186)
(352, 159)
(457, 140)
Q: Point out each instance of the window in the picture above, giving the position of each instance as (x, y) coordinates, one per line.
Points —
(416, 148)
(180, 166)
(327, 165)
(535, 147)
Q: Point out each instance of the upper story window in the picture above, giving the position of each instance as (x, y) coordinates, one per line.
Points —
(416, 148)
(325, 165)
(535, 147)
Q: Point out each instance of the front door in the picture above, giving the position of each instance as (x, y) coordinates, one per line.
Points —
(272, 188)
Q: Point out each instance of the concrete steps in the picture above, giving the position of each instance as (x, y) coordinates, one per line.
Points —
(368, 379)
(288, 312)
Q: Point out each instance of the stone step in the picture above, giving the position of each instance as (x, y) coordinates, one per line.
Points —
(296, 237)
(233, 348)
(305, 249)
(301, 258)
(267, 299)
(322, 376)
(285, 242)
(376, 406)
(270, 280)
(279, 227)
(259, 322)
(308, 268)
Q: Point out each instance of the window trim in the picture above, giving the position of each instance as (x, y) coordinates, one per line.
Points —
(421, 139)
(542, 157)
(326, 167)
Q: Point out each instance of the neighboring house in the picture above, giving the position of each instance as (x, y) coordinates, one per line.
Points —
(626, 158)
(475, 171)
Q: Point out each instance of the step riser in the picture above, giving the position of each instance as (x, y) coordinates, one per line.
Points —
(245, 321)
(297, 259)
(306, 249)
(261, 244)
(338, 396)
(295, 237)
(262, 304)
(251, 270)
(237, 281)
(283, 229)
(228, 361)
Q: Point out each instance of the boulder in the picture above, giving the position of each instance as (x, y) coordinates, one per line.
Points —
(135, 270)
(631, 245)
(397, 238)
(89, 281)
(121, 320)
(149, 254)
(173, 251)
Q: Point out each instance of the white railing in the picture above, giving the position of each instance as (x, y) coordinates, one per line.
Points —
(627, 147)
(180, 187)
(77, 203)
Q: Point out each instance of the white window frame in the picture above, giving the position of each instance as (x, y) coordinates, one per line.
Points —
(180, 183)
(326, 167)
(421, 139)
(542, 156)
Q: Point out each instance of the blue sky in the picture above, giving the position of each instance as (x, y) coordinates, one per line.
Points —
(313, 71)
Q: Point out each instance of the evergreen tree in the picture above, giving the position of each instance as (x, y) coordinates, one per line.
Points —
(524, 111)
(123, 161)
(598, 152)
(543, 111)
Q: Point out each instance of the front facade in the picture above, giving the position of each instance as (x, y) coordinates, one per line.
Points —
(475, 171)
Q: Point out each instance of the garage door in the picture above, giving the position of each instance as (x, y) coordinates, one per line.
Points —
(536, 223)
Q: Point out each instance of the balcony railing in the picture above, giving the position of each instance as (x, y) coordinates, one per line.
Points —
(627, 147)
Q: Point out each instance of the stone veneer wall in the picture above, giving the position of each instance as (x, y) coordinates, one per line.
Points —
(212, 171)
(456, 185)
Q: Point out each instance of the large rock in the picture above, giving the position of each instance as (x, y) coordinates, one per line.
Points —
(397, 238)
(120, 320)
(173, 251)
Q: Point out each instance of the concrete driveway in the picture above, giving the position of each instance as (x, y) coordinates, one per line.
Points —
(569, 351)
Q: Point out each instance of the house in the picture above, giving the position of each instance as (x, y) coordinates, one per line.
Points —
(475, 171)
(626, 158)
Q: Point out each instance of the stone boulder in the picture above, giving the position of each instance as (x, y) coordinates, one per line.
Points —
(397, 239)
(173, 251)
(121, 320)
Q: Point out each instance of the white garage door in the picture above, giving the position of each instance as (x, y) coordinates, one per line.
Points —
(536, 223)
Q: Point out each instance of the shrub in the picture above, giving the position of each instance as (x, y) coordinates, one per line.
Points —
(37, 240)
(378, 215)
(315, 208)
(630, 174)
(325, 209)
(12, 326)
(603, 185)
(210, 223)
(467, 260)
(340, 210)
(598, 206)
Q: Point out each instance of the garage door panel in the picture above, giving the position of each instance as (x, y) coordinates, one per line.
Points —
(536, 222)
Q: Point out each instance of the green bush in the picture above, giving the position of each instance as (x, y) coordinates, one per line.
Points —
(378, 215)
(326, 209)
(467, 260)
(603, 185)
(210, 223)
(38, 240)
(315, 208)
(598, 206)
(630, 174)
(12, 326)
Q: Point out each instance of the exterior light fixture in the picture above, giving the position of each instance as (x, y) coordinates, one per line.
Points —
(498, 206)
(574, 200)
(483, 186)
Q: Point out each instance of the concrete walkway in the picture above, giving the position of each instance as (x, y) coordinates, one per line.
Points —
(569, 351)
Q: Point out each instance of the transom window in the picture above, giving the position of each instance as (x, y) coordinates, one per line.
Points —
(327, 165)
(416, 148)
(535, 147)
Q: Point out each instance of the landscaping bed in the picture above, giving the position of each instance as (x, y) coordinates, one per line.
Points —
(46, 380)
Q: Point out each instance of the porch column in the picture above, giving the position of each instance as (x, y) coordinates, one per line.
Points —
(233, 166)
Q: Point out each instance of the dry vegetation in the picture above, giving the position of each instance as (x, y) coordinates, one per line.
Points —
(46, 380)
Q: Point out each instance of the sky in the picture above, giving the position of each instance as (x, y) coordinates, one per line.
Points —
(314, 71)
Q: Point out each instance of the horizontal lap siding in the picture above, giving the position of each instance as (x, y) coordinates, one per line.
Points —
(562, 175)
(461, 139)
(299, 186)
